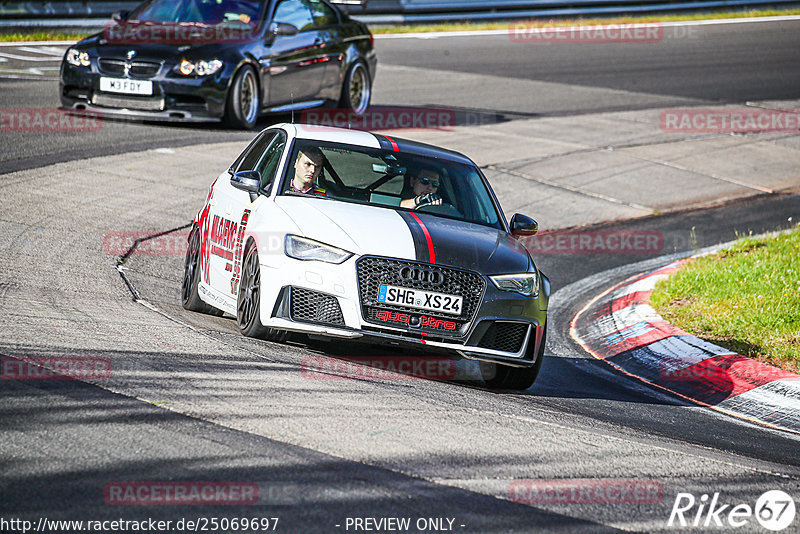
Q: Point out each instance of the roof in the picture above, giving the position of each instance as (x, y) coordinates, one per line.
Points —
(373, 140)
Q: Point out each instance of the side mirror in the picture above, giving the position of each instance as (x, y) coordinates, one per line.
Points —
(119, 16)
(282, 28)
(248, 181)
(522, 225)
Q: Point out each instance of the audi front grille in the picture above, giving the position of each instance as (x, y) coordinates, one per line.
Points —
(374, 271)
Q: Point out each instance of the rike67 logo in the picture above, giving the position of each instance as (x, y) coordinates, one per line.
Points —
(774, 510)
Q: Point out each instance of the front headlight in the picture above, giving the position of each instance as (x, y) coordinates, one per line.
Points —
(525, 284)
(201, 68)
(78, 58)
(301, 248)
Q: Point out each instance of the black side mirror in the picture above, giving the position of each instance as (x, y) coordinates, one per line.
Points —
(248, 181)
(283, 28)
(119, 16)
(522, 225)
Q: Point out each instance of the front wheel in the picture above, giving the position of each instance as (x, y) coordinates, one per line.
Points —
(357, 89)
(498, 376)
(241, 110)
(248, 301)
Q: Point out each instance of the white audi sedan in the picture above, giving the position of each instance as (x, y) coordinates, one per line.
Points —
(354, 235)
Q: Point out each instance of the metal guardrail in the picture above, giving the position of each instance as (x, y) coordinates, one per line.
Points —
(95, 13)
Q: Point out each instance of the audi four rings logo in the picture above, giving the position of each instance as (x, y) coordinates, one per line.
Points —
(417, 274)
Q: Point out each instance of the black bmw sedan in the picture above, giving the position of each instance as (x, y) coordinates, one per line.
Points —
(211, 60)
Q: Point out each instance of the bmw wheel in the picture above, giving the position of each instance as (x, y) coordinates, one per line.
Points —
(191, 270)
(243, 101)
(498, 376)
(357, 89)
(248, 301)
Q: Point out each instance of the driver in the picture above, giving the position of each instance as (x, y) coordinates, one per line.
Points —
(424, 187)
(307, 168)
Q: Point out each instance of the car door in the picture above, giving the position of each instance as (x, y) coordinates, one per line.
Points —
(228, 219)
(296, 68)
(331, 49)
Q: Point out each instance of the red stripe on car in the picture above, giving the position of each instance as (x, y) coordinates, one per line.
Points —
(394, 145)
(431, 253)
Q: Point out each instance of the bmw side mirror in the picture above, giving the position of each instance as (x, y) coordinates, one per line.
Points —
(119, 16)
(282, 28)
(522, 225)
(248, 181)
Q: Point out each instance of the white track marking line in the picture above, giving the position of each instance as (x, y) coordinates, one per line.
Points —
(28, 58)
(38, 43)
(44, 50)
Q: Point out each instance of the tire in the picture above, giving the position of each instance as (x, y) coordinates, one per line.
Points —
(243, 104)
(498, 376)
(191, 270)
(248, 301)
(357, 89)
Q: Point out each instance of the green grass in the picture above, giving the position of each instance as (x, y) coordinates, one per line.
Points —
(14, 35)
(27, 36)
(745, 298)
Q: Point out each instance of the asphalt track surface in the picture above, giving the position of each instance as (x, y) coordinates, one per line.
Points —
(211, 405)
(691, 66)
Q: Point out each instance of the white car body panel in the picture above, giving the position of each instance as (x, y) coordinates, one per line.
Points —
(356, 228)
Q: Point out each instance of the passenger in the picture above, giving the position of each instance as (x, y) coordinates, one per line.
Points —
(422, 189)
(307, 168)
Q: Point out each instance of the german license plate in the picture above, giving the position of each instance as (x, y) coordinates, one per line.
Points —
(423, 300)
(128, 87)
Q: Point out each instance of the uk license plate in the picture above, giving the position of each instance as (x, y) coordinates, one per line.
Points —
(125, 86)
(423, 300)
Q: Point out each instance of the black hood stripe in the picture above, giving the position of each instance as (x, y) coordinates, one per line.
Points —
(452, 243)
(428, 240)
(418, 236)
(472, 246)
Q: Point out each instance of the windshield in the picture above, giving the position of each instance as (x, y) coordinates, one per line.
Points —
(208, 12)
(390, 180)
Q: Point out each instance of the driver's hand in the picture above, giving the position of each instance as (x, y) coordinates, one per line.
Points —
(431, 199)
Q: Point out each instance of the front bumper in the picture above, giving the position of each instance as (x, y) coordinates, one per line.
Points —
(174, 98)
(324, 300)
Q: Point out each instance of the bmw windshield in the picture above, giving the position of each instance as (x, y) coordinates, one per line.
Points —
(391, 179)
(205, 12)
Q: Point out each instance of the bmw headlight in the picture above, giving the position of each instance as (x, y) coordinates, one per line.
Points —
(78, 58)
(301, 248)
(200, 68)
(525, 284)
